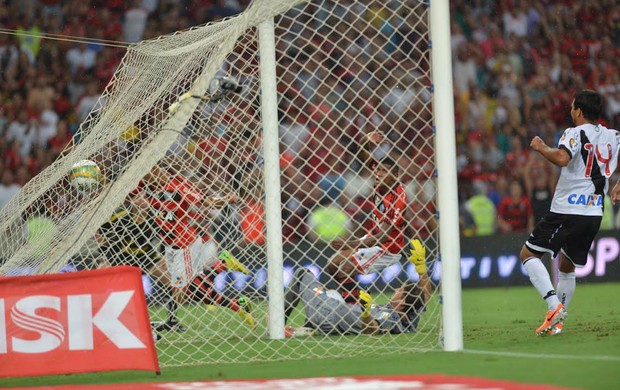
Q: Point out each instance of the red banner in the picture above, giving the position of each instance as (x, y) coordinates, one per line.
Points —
(87, 321)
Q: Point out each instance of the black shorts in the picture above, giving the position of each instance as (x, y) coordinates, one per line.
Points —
(573, 234)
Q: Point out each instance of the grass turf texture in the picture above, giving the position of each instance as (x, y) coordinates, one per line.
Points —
(499, 343)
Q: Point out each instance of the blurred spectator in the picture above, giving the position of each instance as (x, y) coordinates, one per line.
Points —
(9, 53)
(516, 158)
(8, 187)
(499, 190)
(46, 121)
(515, 20)
(481, 210)
(514, 212)
(539, 179)
(89, 101)
(59, 140)
(41, 94)
(294, 135)
(224, 8)
(134, 22)
(21, 132)
(81, 59)
(465, 69)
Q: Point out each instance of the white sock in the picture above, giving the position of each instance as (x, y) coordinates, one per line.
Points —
(566, 287)
(542, 281)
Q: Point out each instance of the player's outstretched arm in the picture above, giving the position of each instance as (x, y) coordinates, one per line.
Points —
(215, 202)
(418, 258)
(368, 143)
(557, 156)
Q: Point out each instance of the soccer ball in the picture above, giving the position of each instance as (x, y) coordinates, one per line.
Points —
(85, 175)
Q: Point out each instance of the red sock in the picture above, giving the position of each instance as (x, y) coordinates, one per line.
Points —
(219, 266)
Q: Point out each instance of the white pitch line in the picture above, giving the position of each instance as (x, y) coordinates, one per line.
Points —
(602, 358)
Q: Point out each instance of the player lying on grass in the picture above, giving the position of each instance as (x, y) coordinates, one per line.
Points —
(327, 312)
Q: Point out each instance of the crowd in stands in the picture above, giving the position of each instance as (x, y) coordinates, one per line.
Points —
(48, 86)
(516, 64)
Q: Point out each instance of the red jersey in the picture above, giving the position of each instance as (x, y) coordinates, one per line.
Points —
(172, 205)
(390, 208)
(516, 213)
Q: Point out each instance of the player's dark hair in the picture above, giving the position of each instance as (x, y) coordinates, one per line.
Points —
(590, 103)
(388, 161)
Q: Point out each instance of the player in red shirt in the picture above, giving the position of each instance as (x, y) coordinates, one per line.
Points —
(177, 203)
(514, 211)
(383, 244)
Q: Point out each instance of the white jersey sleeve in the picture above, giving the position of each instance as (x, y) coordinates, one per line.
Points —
(584, 181)
(570, 141)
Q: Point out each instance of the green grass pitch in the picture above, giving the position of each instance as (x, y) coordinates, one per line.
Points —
(499, 343)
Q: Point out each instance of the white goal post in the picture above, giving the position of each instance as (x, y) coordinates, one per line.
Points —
(235, 156)
(447, 200)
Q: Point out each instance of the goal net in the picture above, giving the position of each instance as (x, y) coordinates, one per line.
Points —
(177, 138)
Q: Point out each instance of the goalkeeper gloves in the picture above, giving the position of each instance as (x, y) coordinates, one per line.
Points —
(366, 301)
(418, 256)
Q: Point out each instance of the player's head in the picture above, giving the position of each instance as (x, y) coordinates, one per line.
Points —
(385, 171)
(587, 103)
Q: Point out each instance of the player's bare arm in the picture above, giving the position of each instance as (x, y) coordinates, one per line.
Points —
(557, 156)
(156, 176)
(418, 259)
(426, 287)
(369, 142)
(215, 202)
(370, 326)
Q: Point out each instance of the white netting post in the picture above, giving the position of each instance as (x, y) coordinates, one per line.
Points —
(441, 58)
(273, 222)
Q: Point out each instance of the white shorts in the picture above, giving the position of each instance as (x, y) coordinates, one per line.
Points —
(209, 252)
(373, 259)
(184, 264)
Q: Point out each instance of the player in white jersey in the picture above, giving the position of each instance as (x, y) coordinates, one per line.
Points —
(588, 155)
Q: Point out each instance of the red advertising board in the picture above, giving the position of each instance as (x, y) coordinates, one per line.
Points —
(86, 321)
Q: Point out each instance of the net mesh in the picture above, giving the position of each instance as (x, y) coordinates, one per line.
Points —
(177, 137)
